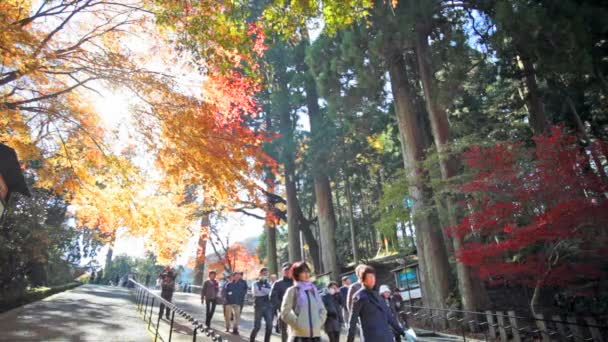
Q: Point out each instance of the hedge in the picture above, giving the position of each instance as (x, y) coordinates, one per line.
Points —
(33, 295)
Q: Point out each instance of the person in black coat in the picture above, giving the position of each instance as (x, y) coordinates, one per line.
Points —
(372, 313)
(332, 302)
(276, 296)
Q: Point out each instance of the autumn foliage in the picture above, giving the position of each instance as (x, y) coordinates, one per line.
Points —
(538, 214)
(237, 258)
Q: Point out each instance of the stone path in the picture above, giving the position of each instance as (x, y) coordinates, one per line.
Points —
(86, 313)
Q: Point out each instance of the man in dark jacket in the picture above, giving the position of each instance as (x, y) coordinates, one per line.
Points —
(278, 292)
(167, 285)
(235, 294)
(372, 313)
(261, 306)
(333, 323)
(209, 294)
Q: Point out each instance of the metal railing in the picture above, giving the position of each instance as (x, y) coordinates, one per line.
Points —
(501, 326)
(146, 301)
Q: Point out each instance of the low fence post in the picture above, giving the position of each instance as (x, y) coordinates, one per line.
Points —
(491, 329)
(514, 326)
(171, 326)
(151, 309)
(146, 306)
(577, 334)
(542, 327)
(596, 334)
(500, 318)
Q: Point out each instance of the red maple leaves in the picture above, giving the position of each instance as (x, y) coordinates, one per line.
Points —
(538, 216)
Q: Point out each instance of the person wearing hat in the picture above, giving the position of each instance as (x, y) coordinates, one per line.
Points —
(262, 306)
(385, 293)
(236, 290)
(278, 292)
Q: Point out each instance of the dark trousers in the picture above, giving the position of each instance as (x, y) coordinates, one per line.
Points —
(283, 328)
(209, 310)
(168, 296)
(334, 336)
(266, 313)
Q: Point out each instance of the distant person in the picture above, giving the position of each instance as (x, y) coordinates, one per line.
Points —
(302, 308)
(147, 280)
(276, 297)
(167, 285)
(262, 306)
(209, 294)
(389, 300)
(333, 323)
(343, 295)
(272, 279)
(236, 290)
(158, 282)
(353, 288)
(372, 312)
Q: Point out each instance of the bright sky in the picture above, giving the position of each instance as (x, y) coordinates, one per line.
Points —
(114, 108)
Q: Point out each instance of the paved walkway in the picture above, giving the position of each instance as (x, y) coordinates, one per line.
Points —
(191, 303)
(86, 313)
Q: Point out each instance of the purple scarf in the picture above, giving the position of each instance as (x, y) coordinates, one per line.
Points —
(304, 286)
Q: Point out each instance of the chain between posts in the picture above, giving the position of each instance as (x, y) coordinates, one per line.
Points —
(143, 296)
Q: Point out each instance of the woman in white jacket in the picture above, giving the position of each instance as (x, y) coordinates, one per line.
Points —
(302, 307)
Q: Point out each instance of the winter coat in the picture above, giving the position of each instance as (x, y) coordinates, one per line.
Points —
(334, 312)
(343, 295)
(374, 316)
(235, 292)
(304, 321)
(278, 292)
(211, 289)
(261, 294)
(353, 288)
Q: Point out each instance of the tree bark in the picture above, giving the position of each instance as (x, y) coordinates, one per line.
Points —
(201, 251)
(323, 196)
(538, 117)
(351, 221)
(288, 156)
(271, 220)
(472, 296)
(433, 262)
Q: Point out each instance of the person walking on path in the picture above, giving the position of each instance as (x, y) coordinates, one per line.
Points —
(167, 287)
(353, 288)
(302, 308)
(343, 295)
(372, 313)
(209, 295)
(235, 297)
(333, 323)
(276, 297)
(391, 303)
(262, 306)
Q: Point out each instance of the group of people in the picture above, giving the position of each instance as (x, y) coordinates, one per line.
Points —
(303, 312)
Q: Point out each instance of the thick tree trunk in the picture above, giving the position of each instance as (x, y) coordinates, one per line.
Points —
(538, 117)
(432, 257)
(323, 196)
(288, 159)
(201, 250)
(110, 252)
(270, 227)
(472, 296)
(271, 219)
(351, 221)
